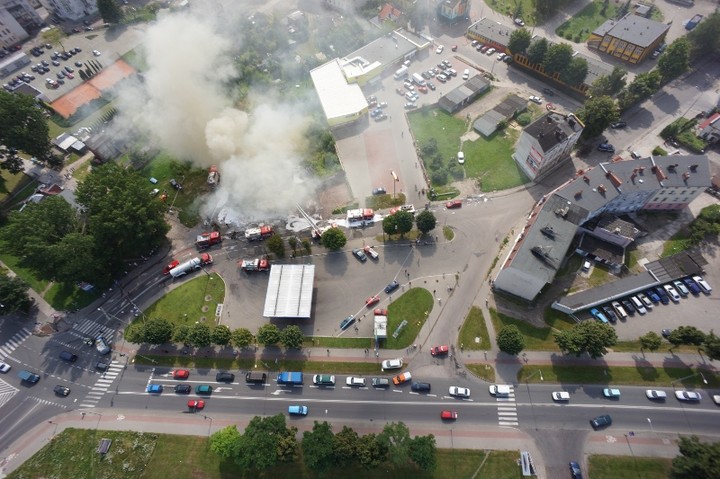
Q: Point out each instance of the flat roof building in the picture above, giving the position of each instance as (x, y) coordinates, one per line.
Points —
(632, 38)
(290, 291)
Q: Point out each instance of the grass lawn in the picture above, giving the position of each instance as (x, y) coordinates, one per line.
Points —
(628, 467)
(579, 27)
(333, 342)
(12, 184)
(488, 160)
(448, 233)
(63, 297)
(474, 334)
(514, 8)
(190, 302)
(72, 455)
(680, 241)
(12, 262)
(482, 371)
(536, 339)
(637, 376)
(599, 276)
(413, 306)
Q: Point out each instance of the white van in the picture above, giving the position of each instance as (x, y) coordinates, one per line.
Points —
(619, 310)
(466, 74)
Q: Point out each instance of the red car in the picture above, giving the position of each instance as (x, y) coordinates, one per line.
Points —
(439, 350)
(166, 269)
(196, 404)
(454, 48)
(453, 204)
(380, 312)
(448, 415)
(372, 300)
(400, 91)
(181, 374)
(422, 89)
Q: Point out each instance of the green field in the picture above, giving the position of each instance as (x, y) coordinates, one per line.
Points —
(413, 306)
(536, 339)
(474, 327)
(640, 375)
(579, 27)
(148, 456)
(629, 467)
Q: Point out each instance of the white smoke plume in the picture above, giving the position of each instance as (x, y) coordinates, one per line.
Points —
(185, 109)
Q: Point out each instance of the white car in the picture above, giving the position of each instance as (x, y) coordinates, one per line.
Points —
(716, 399)
(459, 392)
(490, 51)
(96, 53)
(4, 367)
(501, 57)
(392, 364)
(674, 296)
(535, 99)
(499, 390)
(685, 395)
(439, 49)
(655, 394)
(561, 396)
(355, 381)
(703, 284)
(466, 74)
(461, 157)
(611, 393)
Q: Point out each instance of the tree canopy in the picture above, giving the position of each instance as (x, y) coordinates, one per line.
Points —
(425, 221)
(317, 447)
(650, 341)
(557, 58)
(13, 295)
(597, 113)
(292, 337)
(675, 59)
(519, 40)
(395, 438)
(242, 338)
(334, 239)
(23, 125)
(697, 460)
(609, 85)
(266, 442)
(268, 334)
(510, 340)
(591, 337)
(110, 11)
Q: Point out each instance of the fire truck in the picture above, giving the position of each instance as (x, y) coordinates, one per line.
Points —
(252, 265)
(206, 240)
(258, 234)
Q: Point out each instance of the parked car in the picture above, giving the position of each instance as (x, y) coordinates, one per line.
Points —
(685, 395)
(598, 315)
(618, 125)
(392, 286)
(391, 364)
(224, 377)
(628, 306)
(655, 394)
(183, 389)
(324, 379)
(674, 295)
(372, 301)
(681, 288)
(439, 350)
(652, 296)
(692, 286)
(379, 191)
(402, 378)
(203, 389)
(575, 472)
(645, 300)
(609, 313)
(606, 147)
(535, 99)
(380, 382)
(355, 381)
(459, 392)
(359, 254)
(154, 388)
(346, 323)
(704, 285)
(420, 387)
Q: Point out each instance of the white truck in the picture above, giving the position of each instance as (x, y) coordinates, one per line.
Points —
(418, 79)
(191, 265)
(401, 73)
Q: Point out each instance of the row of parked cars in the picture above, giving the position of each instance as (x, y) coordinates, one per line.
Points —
(645, 301)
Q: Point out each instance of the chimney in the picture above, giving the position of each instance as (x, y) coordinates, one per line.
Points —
(615, 180)
(587, 180)
(686, 175)
(602, 189)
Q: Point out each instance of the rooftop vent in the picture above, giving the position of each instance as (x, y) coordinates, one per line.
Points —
(693, 167)
(602, 189)
(672, 167)
(686, 175)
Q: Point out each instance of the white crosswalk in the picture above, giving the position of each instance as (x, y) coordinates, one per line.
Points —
(507, 410)
(90, 329)
(12, 343)
(102, 385)
(6, 392)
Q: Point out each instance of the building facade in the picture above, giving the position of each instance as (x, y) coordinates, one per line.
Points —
(632, 38)
(71, 9)
(18, 20)
(546, 143)
(453, 10)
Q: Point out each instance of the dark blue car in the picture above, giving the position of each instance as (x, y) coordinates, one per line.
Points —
(692, 286)
(347, 322)
(652, 295)
(392, 287)
(664, 298)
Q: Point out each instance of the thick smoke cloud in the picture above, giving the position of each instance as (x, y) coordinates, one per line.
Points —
(184, 107)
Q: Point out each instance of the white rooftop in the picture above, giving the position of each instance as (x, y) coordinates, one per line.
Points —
(290, 291)
(337, 97)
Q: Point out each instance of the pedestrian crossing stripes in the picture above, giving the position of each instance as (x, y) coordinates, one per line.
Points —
(12, 343)
(6, 392)
(102, 385)
(507, 410)
(90, 329)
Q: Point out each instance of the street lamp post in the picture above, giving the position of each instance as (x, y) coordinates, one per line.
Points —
(651, 426)
(527, 385)
(699, 373)
(395, 180)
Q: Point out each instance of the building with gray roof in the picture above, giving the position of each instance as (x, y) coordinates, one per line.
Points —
(546, 143)
(464, 94)
(510, 106)
(619, 187)
(632, 38)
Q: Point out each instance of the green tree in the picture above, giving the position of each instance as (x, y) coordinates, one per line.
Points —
(293, 242)
(711, 346)
(182, 334)
(403, 222)
(276, 245)
(242, 338)
(157, 331)
(536, 51)
(425, 221)
(704, 39)
(317, 447)
(371, 451)
(345, 446)
(121, 216)
(423, 452)
(333, 239)
(689, 335)
(292, 337)
(13, 295)
(510, 340)
(609, 85)
(23, 125)
(697, 460)
(199, 335)
(591, 337)
(675, 59)
(225, 442)
(221, 335)
(54, 35)
(575, 72)
(389, 224)
(597, 114)
(650, 341)
(110, 11)
(519, 40)
(268, 334)
(395, 438)
(266, 442)
(557, 58)
(644, 85)
(74, 258)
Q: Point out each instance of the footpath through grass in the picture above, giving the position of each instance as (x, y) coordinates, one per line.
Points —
(146, 455)
(641, 375)
(627, 467)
